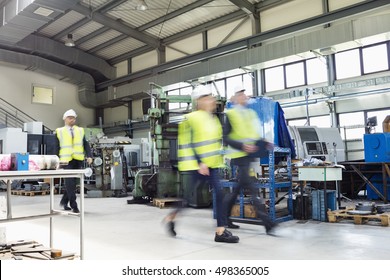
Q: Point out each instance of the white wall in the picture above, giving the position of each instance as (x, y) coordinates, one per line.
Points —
(16, 88)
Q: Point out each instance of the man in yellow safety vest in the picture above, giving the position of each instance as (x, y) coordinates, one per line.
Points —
(241, 132)
(199, 151)
(72, 147)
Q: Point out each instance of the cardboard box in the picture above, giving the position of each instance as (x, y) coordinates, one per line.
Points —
(386, 124)
(249, 211)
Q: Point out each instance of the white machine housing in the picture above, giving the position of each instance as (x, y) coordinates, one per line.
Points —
(323, 143)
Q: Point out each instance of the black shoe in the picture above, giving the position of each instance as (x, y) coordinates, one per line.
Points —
(270, 229)
(76, 210)
(66, 207)
(171, 228)
(231, 225)
(226, 237)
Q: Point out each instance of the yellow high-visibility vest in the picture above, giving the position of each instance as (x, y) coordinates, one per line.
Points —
(200, 133)
(244, 124)
(71, 148)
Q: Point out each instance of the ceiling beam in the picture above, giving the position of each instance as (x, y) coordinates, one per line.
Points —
(133, 53)
(118, 26)
(205, 26)
(267, 4)
(174, 14)
(92, 35)
(245, 5)
(71, 28)
(109, 6)
(184, 34)
(101, 9)
(251, 41)
(108, 43)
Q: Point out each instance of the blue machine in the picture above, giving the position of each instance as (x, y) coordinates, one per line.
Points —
(273, 124)
(377, 147)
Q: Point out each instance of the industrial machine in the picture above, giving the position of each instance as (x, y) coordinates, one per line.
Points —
(318, 142)
(110, 174)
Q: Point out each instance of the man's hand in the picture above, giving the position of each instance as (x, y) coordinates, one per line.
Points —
(203, 169)
(89, 160)
(249, 148)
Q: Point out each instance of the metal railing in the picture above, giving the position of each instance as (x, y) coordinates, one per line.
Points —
(10, 116)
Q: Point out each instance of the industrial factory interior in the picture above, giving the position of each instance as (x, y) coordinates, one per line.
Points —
(130, 75)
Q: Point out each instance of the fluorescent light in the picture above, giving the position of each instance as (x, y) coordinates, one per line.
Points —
(69, 41)
(141, 5)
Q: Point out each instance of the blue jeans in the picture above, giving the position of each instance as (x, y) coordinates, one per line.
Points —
(214, 180)
(215, 183)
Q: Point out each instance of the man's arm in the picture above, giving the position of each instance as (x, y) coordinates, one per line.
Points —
(87, 148)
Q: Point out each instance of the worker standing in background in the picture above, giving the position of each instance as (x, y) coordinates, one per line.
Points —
(241, 132)
(199, 151)
(72, 147)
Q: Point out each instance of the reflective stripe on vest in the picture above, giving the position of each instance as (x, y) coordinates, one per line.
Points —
(202, 133)
(243, 129)
(70, 148)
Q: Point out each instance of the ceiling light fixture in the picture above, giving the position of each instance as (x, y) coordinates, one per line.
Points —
(141, 5)
(69, 41)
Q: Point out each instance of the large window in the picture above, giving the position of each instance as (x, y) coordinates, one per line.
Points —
(352, 125)
(347, 64)
(274, 78)
(375, 58)
(316, 71)
(380, 117)
(295, 74)
(181, 91)
(319, 121)
(232, 82)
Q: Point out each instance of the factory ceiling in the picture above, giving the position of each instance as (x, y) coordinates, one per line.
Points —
(106, 32)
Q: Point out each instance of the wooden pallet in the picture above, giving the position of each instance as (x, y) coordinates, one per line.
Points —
(30, 193)
(167, 202)
(339, 215)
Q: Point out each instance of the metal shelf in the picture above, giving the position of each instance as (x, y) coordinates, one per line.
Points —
(272, 185)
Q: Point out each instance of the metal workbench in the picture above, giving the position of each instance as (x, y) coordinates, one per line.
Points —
(50, 174)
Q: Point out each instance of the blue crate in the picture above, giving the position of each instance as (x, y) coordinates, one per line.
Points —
(318, 203)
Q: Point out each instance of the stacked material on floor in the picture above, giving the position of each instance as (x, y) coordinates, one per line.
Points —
(31, 250)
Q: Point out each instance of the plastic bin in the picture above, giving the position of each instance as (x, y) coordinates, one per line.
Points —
(318, 204)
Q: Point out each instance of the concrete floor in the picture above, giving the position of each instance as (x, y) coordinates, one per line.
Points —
(115, 230)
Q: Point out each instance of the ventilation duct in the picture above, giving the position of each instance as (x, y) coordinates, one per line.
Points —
(84, 81)
(20, 18)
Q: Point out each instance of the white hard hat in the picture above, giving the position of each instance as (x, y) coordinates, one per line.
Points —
(69, 113)
(202, 90)
(239, 88)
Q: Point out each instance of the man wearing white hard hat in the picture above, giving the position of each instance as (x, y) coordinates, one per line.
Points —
(72, 147)
(199, 153)
(242, 135)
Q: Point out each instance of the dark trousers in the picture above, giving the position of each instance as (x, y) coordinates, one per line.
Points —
(245, 182)
(70, 185)
(214, 181)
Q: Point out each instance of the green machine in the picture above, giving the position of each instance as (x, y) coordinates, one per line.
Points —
(162, 179)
